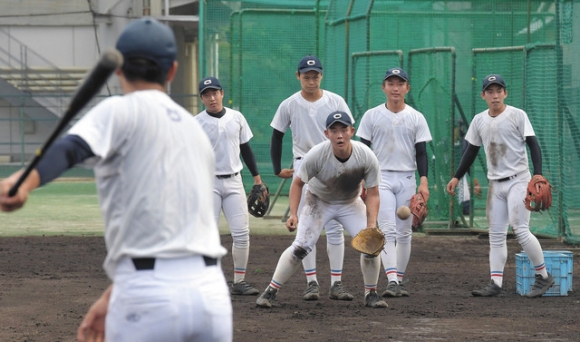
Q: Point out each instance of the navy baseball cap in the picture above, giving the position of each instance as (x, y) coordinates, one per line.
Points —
(492, 79)
(396, 72)
(338, 116)
(308, 63)
(148, 39)
(209, 83)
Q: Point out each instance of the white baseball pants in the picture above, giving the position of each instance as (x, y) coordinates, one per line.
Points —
(181, 299)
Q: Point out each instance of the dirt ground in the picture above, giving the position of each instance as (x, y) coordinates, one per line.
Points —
(48, 283)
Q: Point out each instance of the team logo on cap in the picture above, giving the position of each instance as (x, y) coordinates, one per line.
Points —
(206, 82)
(311, 62)
(396, 71)
(337, 116)
(491, 78)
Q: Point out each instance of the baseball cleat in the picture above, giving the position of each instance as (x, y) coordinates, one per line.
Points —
(541, 285)
(312, 292)
(373, 300)
(266, 298)
(403, 291)
(392, 290)
(243, 289)
(489, 290)
(338, 292)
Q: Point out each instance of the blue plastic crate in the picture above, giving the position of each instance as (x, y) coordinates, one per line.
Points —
(560, 264)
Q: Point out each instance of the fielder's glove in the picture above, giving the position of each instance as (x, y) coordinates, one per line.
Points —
(259, 200)
(539, 194)
(369, 241)
(419, 210)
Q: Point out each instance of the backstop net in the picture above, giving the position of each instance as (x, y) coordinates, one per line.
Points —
(447, 47)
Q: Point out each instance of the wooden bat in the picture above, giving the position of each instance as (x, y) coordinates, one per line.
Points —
(107, 64)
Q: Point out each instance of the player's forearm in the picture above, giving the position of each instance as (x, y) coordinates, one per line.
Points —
(249, 158)
(257, 180)
(295, 195)
(421, 159)
(61, 156)
(276, 150)
(423, 184)
(466, 161)
(535, 154)
(372, 204)
(31, 182)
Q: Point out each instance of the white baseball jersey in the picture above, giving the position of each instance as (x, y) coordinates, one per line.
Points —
(150, 153)
(394, 135)
(226, 135)
(504, 139)
(336, 182)
(307, 119)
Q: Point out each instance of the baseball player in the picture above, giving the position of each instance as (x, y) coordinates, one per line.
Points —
(334, 170)
(398, 135)
(153, 166)
(504, 131)
(305, 113)
(230, 135)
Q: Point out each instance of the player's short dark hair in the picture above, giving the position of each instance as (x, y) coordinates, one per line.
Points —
(140, 69)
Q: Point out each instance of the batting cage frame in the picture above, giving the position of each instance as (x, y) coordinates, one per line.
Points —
(447, 48)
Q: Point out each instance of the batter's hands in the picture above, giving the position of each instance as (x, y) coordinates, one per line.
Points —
(286, 173)
(451, 186)
(292, 223)
(92, 328)
(15, 202)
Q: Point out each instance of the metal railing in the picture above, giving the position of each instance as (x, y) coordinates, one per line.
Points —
(31, 73)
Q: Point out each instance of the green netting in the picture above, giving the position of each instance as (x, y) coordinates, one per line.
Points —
(265, 76)
(366, 78)
(447, 49)
(432, 88)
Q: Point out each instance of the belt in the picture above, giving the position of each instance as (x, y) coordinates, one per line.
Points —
(144, 264)
(227, 176)
(510, 177)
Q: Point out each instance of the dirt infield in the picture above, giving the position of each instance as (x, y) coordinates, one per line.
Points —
(48, 283)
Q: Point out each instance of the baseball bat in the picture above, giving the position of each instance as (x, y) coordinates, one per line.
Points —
(107, 64)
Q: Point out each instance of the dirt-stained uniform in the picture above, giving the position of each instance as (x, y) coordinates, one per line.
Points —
(334, 170)
(504, 131)
(305, 114)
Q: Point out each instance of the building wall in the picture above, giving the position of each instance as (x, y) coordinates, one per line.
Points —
(73, 34)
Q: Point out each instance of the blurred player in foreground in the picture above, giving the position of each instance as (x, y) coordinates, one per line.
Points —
(154, 170)
(305, 113)
(398, 135)
(230, 135)
(504, 131)
(333, 170)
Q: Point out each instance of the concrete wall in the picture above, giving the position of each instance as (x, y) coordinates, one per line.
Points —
(73, 34)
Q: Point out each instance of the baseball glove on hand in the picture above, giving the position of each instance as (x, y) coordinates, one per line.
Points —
(259, 200)
(369, 241)
(419, 210)
(539, 194)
